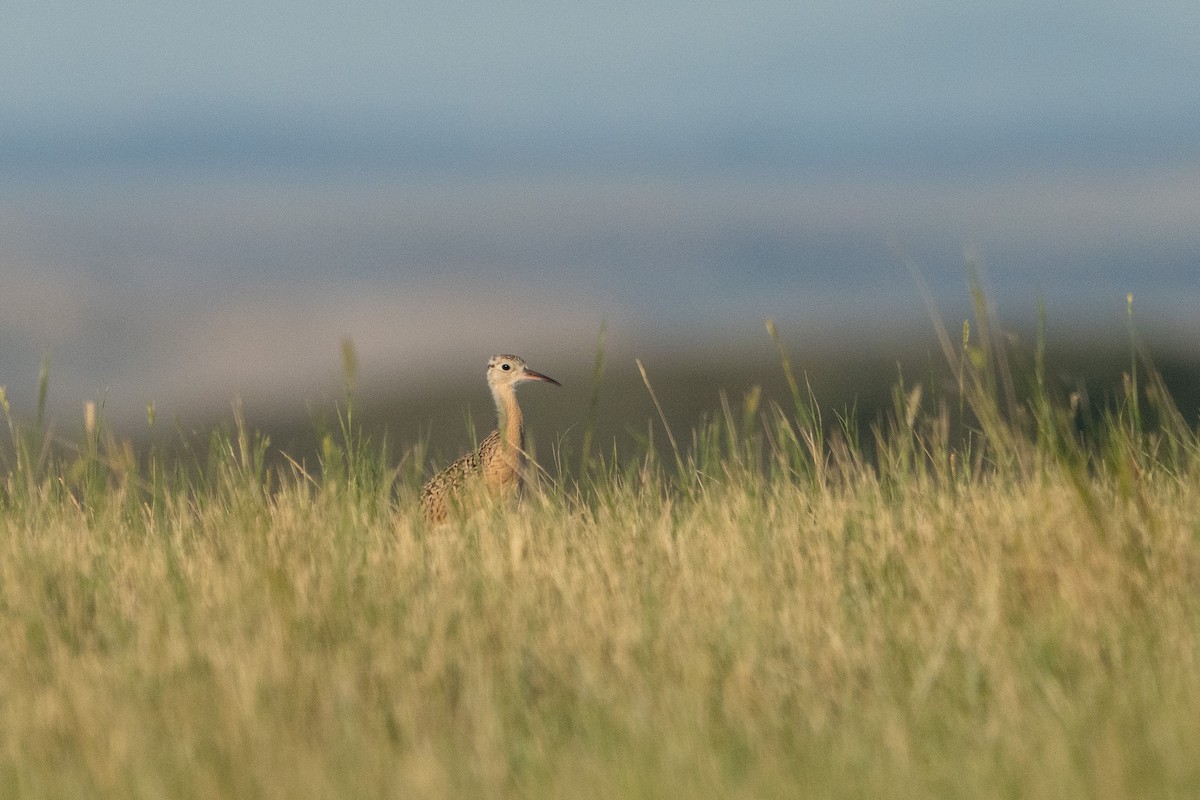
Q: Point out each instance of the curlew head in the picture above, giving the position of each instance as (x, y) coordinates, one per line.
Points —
(507, 370)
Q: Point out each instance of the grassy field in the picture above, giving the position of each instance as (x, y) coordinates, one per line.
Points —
(993, 593)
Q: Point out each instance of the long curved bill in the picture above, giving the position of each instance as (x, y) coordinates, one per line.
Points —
(530, 375)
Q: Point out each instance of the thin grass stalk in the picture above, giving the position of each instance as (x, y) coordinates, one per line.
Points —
(663, 417)
(593, 406)
(812, 457)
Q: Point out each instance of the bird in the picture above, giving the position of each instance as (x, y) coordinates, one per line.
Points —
(498, 462)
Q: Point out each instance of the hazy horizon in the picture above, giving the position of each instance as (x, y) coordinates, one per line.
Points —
(196, 204)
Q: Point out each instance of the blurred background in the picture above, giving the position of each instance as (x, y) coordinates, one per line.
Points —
(201, 202)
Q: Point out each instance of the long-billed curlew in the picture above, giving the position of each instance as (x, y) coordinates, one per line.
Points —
(499, 459)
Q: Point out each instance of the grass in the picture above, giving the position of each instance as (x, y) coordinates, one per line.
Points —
(995, 592)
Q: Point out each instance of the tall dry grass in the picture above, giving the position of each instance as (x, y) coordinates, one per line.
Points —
(994, 593)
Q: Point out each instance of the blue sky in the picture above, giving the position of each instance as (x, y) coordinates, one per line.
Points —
(200, 201)
(827, 84)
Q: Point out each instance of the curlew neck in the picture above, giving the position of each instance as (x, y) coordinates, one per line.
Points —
(511, 421)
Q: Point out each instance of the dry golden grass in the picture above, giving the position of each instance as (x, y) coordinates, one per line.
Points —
(776, 616)
(981, 638)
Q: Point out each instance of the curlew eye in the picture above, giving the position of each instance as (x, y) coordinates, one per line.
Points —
(505, 366)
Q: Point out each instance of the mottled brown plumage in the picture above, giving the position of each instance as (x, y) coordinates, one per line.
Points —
(497, 464)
